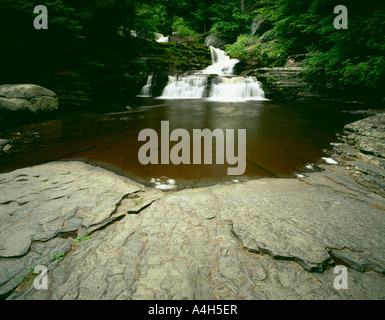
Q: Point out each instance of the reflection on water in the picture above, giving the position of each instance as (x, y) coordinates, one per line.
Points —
(281, 138)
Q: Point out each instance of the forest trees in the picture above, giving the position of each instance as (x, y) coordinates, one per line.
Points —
(82, 37)
(353, 58)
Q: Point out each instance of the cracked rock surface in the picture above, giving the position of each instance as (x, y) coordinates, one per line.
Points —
(41, 204)
(261, 239)
(367, 159)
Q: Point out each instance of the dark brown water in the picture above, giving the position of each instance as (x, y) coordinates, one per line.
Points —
(282, 137)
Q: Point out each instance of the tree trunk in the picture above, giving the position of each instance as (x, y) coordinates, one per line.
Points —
(242, 5)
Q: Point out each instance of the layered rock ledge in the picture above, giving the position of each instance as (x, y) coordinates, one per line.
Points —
(261, 239)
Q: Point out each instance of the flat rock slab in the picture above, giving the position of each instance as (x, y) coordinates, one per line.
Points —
(262, 239)
(47, 202)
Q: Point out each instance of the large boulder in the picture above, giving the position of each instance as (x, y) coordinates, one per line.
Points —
(30, 97)
(5, 145)
(214, 41)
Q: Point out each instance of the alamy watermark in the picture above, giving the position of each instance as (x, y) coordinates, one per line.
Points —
(181, 153)
(41, 281)
(41, 21)
(341, 21)
(341, 281)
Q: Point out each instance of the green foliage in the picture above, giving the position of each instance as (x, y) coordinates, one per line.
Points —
(151, 18)
(82, 49)
(257, 52)
(182, 27)
(368, 73)
(28, 279)
(228, 19)
(139, 203)
(182, 57)
(58, 256)
(238, 49)
(82, 238)
(352, 58)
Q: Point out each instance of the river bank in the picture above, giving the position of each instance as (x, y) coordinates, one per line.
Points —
(261, 239)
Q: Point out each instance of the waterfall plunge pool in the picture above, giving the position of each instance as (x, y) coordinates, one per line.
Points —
(282, 139)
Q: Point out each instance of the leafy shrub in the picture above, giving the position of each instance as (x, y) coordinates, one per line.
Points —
(182, 28)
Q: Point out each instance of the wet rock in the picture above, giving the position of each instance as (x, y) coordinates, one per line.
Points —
(5, 145)
(252, 240)
(214, 41)
(37, 201)
(366, 140)
(14, 269)
(7, 148)
(368, 135)
(4, 142)
(41, 203)
(261, 239)
(279, 81)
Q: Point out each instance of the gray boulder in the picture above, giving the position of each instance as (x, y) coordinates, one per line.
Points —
(214, 41)
(30, 97)
(4, 142)
(5, 145)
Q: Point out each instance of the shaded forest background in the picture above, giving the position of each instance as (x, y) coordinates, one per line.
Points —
(90, 51)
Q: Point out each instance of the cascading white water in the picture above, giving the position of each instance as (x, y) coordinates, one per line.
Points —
(146, 89)
(185, 86)
(223, 86)
(222, 64)
(163, 39)
(236, 89)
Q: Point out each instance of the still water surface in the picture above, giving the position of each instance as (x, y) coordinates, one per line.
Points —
(282, 137)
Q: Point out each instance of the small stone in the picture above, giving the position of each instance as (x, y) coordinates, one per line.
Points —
(7, 148)
(4, 142)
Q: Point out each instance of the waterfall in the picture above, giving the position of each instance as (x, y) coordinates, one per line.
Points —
(236, 89)
(146, 89)
(255, 25)
(163, 39)
(221, 63)
(185, 86)
(216, 82)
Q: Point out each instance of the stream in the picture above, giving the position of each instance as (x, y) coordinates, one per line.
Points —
(283, 139)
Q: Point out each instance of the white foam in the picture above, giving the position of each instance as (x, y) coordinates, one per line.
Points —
(225, 86)
(329, 160)
(164, 183)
